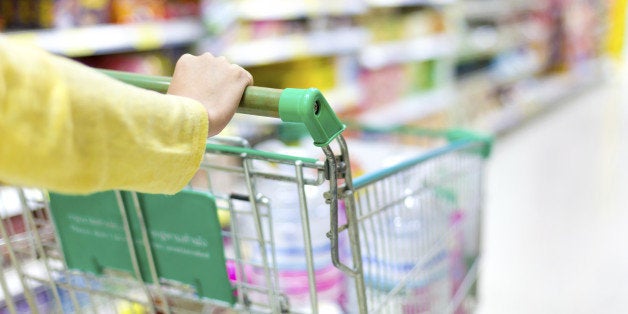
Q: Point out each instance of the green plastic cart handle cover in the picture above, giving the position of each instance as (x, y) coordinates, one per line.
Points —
(307, 106)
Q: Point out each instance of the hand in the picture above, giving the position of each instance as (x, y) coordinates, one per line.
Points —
(214, 82)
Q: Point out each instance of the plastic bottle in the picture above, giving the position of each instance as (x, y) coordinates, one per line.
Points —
(287, 229)
(419, 231)
(407, 239)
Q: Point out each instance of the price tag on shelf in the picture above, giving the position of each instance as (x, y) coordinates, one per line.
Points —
(75, 43)
(25, 38)
(148, 37)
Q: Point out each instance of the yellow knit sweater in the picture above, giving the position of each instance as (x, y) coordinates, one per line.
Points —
(68, 128)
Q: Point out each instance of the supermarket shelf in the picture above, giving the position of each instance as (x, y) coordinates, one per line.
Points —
(278, 49)
(471, 51)
(475, 53)
(544, 93)
(486, 9)
(485, 41)
(398, 3)
(497, 78)
(517, 76)
(410, 109)
(495, 9)
(111, 38)
(287, 9)
(424, 48)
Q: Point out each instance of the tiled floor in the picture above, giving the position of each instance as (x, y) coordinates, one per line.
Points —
(556, 220)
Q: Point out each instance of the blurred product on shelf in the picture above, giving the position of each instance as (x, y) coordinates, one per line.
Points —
(408, 93)
(223, 13)
(376, 88)
(151, 63)
(437, 120)
(412, 40)
(301, 73)
(428, 109)
(394, 24)
(132, 11)
(392, 83)
(29, 14)
(182, 8)
(371, 57)
(382, 86)
(581, 36)
(91, 12)
(266, 41)
(479, 97)
(35, 14)
(574, 32)
(508, 57)
(423, 76)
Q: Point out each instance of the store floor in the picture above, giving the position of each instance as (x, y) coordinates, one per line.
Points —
(556, 220)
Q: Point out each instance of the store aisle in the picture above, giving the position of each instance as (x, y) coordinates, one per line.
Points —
(556, 223)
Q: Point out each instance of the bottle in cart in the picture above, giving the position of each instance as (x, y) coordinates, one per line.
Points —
(410, 248)
(287, 231)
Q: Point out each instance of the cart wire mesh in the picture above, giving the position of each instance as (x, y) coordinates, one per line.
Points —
(415, 246)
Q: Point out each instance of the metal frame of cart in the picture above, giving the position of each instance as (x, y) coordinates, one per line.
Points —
(392, 232)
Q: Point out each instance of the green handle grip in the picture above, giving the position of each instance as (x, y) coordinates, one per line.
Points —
(307, 106)
(258, 101)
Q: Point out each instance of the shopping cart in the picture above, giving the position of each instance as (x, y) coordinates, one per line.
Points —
(260, 231)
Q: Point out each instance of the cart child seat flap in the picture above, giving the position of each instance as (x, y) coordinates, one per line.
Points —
(183, 232)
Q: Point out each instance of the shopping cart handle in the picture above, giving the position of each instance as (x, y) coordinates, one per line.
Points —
(307, 106)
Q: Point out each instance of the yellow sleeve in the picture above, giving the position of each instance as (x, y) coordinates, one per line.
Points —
(68, 128)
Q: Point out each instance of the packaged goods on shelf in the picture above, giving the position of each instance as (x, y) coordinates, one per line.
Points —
(437, 120)
(429, 106)
(183, 8)
(129, 11)
(17, 14)
(35, 14)
(30, 14)
(258, 42)
(393, 24)
(301, 73)
(133, 11)
(515, 65)
(477, 95)
(150, 63)
(405, 35)
(423, 76)
(382, 86)
(90, 12)
(288, 9)
(580, 30)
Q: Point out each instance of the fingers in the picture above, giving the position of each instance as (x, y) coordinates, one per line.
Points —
(221, 62)
(247, 77)
(215, 82)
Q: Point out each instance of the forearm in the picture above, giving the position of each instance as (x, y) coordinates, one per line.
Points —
(68, 128)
